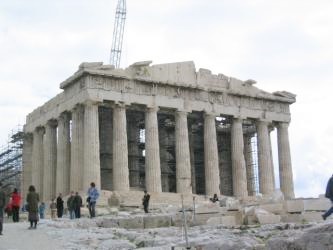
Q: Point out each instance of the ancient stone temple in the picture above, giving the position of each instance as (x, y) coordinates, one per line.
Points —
(163, 128)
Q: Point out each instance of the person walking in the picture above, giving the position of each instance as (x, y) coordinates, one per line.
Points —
(70, 206)
(77, 205)
(93, 195)
(145, 201)
(53, 207)
(2, 206)
(60, 206)
(329, 195)
(16, 202)
(32, 200)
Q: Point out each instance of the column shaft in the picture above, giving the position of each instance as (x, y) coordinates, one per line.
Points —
(238, 161)
(27, 163)
(91, 165)
(120, 150)
(76, 168)
(63, 155)
(50, 161)
(264, 159)
(285, 167)
(211, 156)
(183, 163)
(37, 160)
(152, 164)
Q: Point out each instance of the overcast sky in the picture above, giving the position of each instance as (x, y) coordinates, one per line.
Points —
(282, 44)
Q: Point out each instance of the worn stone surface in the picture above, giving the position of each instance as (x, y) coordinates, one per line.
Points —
(157, 221)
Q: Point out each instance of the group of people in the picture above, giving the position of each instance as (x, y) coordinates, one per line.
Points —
(35, 211)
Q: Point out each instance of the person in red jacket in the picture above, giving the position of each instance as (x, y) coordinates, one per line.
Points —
(16, 202)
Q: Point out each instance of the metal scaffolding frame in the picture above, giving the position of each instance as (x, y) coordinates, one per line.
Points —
(11, 159)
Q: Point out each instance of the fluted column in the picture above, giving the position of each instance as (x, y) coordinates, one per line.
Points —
(37, 159)
(50, 160)
(76, 177)
(27, 163)
(238, 162)
(285, 167)
(249, 161)
(63, 155)
(91, 165)
(120, 150)
(211, 156)
(152, 167)
(264, 159)
(270, 129)
(183, 163)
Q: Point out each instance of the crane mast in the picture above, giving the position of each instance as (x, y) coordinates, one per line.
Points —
(118, 33)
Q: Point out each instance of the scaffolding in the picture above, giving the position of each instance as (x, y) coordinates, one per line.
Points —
(11, 159)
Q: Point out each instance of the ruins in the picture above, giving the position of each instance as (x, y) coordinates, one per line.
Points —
(163, 128)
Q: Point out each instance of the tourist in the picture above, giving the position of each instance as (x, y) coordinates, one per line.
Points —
(16, 202)
(329, 195)
(77, 205)
(214, 199)
(41, 210)
(2, 206)
(53, 207)
(32, 200)
(145, 201)
(60, 206)
(8, 208)
(92, 199)
(70, 206)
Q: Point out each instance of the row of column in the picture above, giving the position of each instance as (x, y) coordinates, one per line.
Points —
(71, 160)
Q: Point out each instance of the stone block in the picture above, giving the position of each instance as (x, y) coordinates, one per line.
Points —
(157, 221)
(250, 220)
(178, 220)
(275, 208)
(114, 200)
(229, 220)
(207, 208)
(316, 204)
(294, 206)
(268, 218)
(129, 223)
(108, 223)
(214, 221)
(312, 216)
(239, 216)
(292, 218)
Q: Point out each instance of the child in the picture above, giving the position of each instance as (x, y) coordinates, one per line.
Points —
(41, 210)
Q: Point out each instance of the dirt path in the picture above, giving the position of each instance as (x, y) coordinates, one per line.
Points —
(17, 236)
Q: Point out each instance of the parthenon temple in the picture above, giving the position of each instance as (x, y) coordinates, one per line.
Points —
(160, 128)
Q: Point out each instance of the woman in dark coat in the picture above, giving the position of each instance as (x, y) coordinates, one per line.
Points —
(32, 200)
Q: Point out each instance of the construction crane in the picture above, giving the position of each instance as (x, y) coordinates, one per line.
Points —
(118, 33)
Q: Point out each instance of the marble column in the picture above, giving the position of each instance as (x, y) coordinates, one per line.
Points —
(120, 149)
(238, 161)
(152, 163)
(37, 159)
(192, 160)
(50, 160)
(183, 163)
(212, 176)
(91, 154)
(63, 155)
(27, 163)
(77, 142)
(285, 167)
(249, 161)
(264, 159)
(270, 129)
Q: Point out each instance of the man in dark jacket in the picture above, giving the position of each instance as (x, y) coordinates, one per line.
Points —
(145, 201)
(70, 206)
(77, 205)
(2, 206)
(60, 206)
(329, 195)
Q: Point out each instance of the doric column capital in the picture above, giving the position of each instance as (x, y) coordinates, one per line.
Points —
(263, 121)
(40, 130)
(152, 109)
(51, 123)
(91, 103)
(282, 125)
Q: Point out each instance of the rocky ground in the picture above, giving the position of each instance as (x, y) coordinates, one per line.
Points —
(103, 233)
